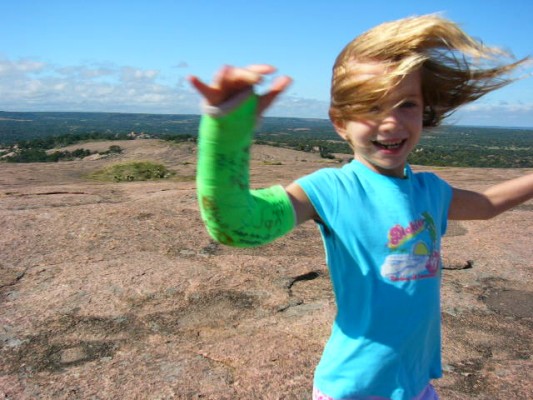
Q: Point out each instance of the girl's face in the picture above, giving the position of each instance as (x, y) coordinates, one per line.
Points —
(383, 144)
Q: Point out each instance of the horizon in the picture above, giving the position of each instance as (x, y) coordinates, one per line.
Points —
(134, 57)
(444, 124)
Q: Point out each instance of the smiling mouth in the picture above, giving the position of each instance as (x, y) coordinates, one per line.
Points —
(389, 145)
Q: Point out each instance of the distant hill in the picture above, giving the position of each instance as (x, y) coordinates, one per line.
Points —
(446, 145)
(17, 126)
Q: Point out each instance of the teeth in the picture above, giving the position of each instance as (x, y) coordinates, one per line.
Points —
(388, 145)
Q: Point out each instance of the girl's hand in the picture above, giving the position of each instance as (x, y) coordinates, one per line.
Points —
(230, 81)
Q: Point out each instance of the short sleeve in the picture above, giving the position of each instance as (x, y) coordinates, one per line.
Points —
(322, 187)
(442, 194)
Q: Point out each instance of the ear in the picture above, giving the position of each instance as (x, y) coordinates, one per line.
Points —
(340, 127)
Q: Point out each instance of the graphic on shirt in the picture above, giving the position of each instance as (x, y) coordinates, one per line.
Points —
(414, 248)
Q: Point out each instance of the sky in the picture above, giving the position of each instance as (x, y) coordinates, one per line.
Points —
(134, 56)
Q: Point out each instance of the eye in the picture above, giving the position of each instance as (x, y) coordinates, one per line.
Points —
(408, 104)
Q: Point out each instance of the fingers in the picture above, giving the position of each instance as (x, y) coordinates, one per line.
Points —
(232, 80)
(205, 90)
(278, 86)
(237, 78)
(261, 68)
(229, 81)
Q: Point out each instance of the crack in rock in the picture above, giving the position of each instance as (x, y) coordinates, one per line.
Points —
(309, 276)
(293, 301)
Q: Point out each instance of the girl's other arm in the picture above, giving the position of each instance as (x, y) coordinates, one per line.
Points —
(496, 199)
(303, 209)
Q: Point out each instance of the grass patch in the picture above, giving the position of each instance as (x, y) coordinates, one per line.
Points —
(132, 171)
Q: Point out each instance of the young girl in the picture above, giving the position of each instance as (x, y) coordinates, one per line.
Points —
(381, 223)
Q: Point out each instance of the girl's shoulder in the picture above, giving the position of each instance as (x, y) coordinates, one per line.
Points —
(429, 178)
(327, 175)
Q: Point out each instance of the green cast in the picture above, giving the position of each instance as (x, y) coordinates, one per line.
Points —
(233, 214)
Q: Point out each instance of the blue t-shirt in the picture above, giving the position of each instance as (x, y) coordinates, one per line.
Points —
(382, 240)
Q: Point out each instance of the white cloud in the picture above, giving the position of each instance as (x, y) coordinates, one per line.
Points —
(500, 107)
(84, 72)
(28, 85)
(34, 86)
(293, 106)
(503, 113)
(134, 74)
(12, 68)
(31, 85)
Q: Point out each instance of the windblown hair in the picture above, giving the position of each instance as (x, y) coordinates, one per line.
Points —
(455, 68)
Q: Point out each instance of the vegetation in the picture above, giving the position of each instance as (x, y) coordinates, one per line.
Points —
(443, 146)
(475, 147)
(29, 135)
(19, 126)
(37, 154)
(66, 139)
(132, 171)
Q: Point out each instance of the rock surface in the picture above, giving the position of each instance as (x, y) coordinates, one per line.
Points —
(115, 291)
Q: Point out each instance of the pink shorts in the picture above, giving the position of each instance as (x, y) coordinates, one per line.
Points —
(428, 393)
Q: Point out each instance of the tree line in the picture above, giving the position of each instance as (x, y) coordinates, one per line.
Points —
(443, 146)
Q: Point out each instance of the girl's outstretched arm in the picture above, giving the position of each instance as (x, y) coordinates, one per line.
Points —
(233, 213)
(496, 199)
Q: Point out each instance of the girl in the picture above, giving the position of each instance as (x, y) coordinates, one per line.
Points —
(381, 223)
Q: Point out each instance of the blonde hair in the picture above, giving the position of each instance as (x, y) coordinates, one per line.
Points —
(450, 61)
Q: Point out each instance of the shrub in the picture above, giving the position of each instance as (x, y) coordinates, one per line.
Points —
(113, 149)
(133, 171)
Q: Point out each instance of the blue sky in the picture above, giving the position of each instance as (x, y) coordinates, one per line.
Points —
(134, 56)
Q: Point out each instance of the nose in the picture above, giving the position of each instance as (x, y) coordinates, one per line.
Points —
(391, 121)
